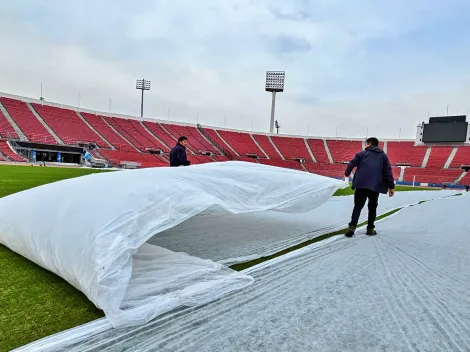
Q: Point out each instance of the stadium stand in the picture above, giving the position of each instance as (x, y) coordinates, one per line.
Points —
(200, 159)
(292, 147)
(267, 146)
(247, 159)
(67, 125)
(406, 153)
(289, 164)
(343, 151)
(145, 159)
(330, 170)
(462, 157)
(465, 180)
(27, 122)
(147, 140)
(431, 175)
(438, 157)
(196, 140)
(212, 134)
(107, 132)
(134, 133)
(220, 158)
(6, 129)
(129, 140)
(318, 149)
(8, 152)
(158, 131)
(242, 143)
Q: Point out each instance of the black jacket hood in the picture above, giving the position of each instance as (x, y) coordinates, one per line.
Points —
(375, 149)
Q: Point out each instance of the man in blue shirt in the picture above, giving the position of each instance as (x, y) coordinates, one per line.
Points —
(373, 176)
(178, 153)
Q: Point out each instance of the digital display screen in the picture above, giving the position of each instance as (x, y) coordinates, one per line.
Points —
(445, 132)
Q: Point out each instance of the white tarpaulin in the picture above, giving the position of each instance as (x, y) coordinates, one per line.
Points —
(406, 289)
(234, 238)
(91, 230)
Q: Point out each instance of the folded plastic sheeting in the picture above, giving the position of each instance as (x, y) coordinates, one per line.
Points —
(233, 238)
(403, 290)
(90, 230)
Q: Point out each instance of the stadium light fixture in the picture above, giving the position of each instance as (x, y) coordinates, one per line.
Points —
(142, 84)
(274, 84)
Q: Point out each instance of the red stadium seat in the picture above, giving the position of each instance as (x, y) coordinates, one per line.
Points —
(343, 151)
(27, 122)
(241, 142)
(431, 175)
(406, 153)
(438, 157)
(7, 151)
(462, 157)
(292, 147)
(6, 129)
(68, 126)
(317, 147)
(267, 146)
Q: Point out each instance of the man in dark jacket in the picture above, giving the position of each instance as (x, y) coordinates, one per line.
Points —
(178, 153)
(373, 176)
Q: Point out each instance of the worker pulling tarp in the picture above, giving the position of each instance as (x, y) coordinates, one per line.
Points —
(92, 231)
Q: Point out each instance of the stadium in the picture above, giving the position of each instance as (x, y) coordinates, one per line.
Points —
(264, 242)
(34, 130)
(63, 142)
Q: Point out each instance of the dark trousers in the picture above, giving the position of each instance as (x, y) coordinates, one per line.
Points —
(360, 197)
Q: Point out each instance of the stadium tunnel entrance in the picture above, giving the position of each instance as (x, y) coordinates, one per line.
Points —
(37, 152)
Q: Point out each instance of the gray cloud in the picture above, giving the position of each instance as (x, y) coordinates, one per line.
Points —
(347, 66)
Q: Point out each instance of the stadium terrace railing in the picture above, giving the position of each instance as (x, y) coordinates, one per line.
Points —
(9, 136)
(220, 147)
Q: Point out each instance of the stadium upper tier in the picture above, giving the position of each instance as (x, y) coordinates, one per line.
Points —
(126, 139)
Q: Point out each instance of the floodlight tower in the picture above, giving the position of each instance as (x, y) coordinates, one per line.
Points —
(142, 84)
(274, 84)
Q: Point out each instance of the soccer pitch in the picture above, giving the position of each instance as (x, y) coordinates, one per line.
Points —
(35, 303)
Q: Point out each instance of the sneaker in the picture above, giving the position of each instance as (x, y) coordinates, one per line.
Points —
(350, 231)
(371, 232)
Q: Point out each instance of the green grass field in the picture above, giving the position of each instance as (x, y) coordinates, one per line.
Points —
(35, 303)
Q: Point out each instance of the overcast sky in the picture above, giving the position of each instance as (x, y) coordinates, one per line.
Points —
(350, 65)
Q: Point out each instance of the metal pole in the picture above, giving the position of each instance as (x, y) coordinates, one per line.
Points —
(273, 109)
(41, 90)
(110, 106)
(225, 122)
(197, 118)
(142, 101)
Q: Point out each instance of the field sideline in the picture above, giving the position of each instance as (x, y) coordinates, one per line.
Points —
(35, 303)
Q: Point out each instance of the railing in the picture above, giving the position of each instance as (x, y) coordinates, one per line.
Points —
(220, 147)
(8, 135)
